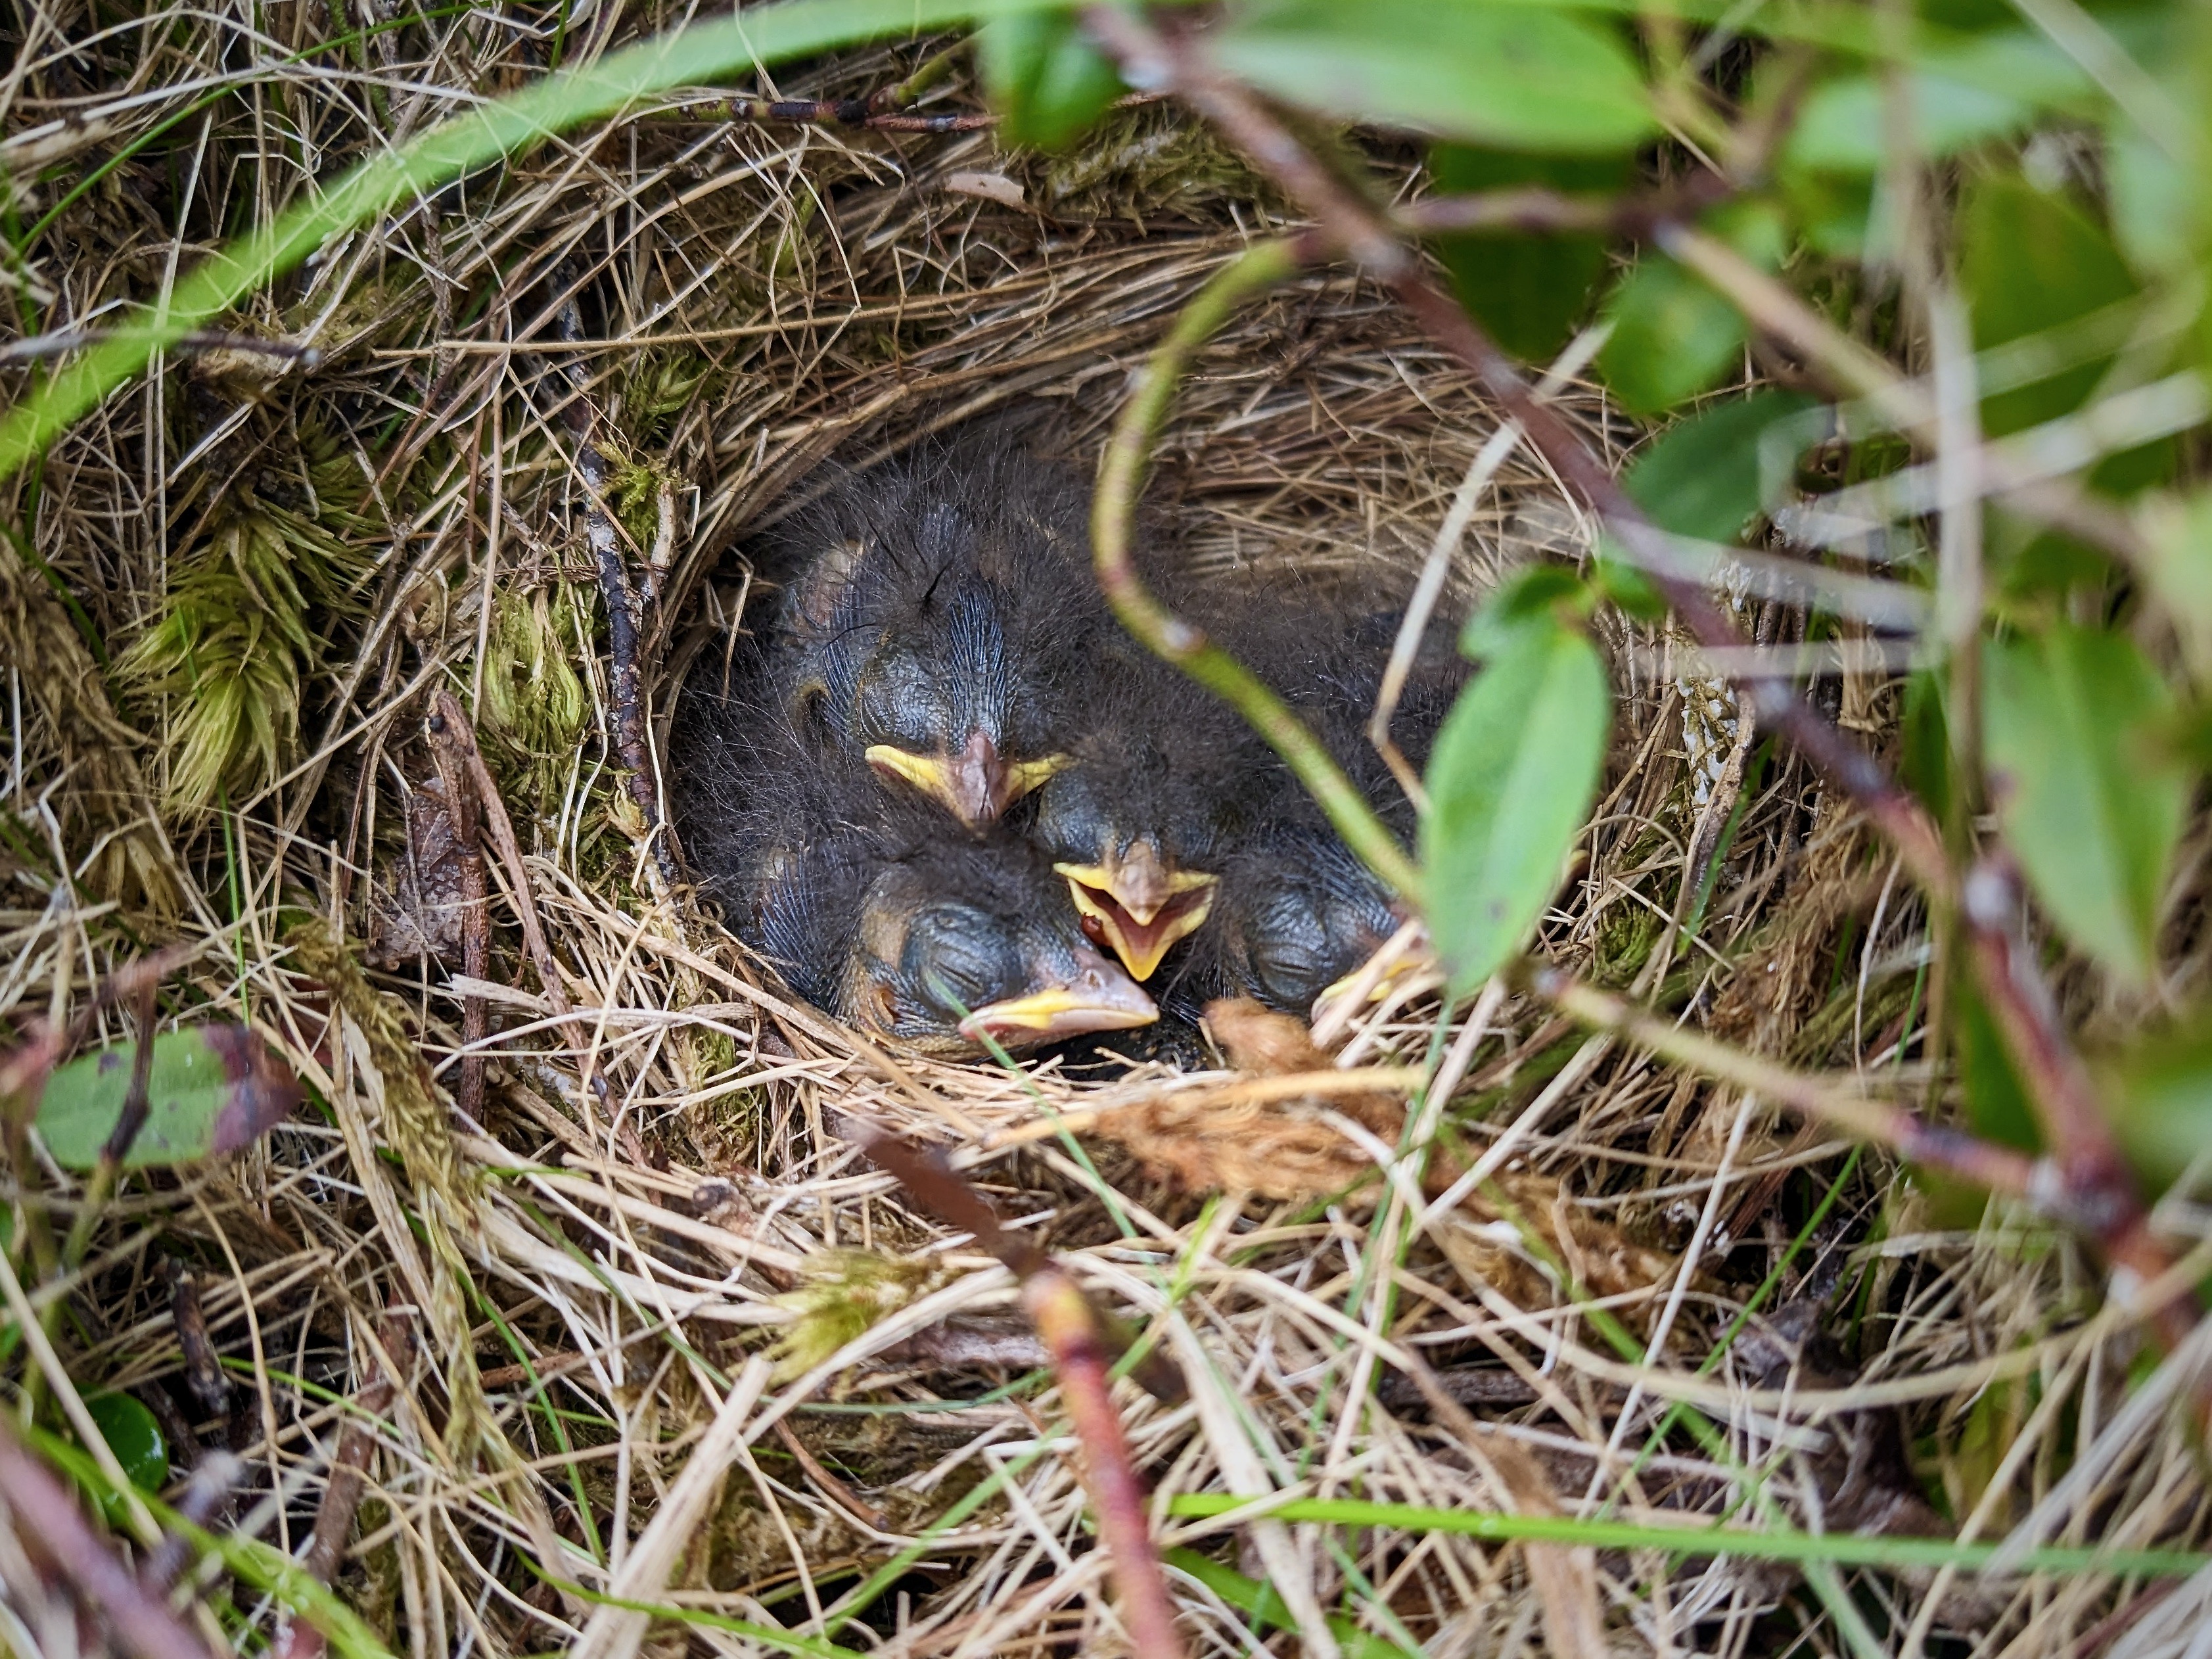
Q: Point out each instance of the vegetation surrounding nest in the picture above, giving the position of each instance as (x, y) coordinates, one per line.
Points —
(243, 582)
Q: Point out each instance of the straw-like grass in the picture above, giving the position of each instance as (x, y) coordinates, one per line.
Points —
(662, 1190)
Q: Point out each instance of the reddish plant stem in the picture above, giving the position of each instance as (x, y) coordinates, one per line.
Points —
(1075, 1334)
(49, 1523)
(1996, 1168)
(1063, 1321)
(2097, 1183)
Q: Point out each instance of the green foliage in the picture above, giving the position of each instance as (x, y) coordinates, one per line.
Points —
(535, 707)
(140, 1447)
(1672, 337)
(2091, 794)
(2031, 262)
(213, 1089)
(1514, 770)
(1532, 78)
(1045, 80)
(2161, 1097)
(1529, 291)
(1707, 476)
(846, 1293)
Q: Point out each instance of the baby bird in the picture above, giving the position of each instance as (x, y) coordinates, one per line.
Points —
(938, 619)
(1140, 823)
(961, 941)
(1298, 912)
(866, 905)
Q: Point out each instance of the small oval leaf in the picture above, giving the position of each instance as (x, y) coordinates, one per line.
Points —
(1045, 78)
(1525, 78)
(213, 1089)
(2090, 796)
(1514, 772)
(134, 1435)
(1705, 477)
(1672, 337)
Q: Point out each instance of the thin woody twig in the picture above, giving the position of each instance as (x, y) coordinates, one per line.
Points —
(341, 1497)
(605, 542)
(1994, 1168)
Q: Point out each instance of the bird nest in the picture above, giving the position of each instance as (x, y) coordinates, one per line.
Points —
(624, 1337)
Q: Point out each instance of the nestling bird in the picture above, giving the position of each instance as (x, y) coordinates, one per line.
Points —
(1298, 913)
(865, 905)
(941, 606)
(958, 941)
(1140, 822)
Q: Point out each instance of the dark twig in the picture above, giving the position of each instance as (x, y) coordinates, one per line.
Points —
(605, 542)
(859, 113)
(1082, 1361)
(77, 339)
(203, 1371)
(128, 1123)
(2096, 1178)
(49, 1525)
(342, 1492)
(449, 729)
(208, 1489)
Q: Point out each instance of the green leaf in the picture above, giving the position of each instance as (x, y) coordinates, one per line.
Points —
(1514, 771)
(213, 1089)
(1707, 476)
(134, 1436)
(1045, 78)
(2031, 261)
(1528, 291)
(1962, 93)
(1997, 1104)
(2152, 199)
(2090, 794)
(1264, 1606)
(1534, 596)
(1525, 78)
(2161, 1097)
(1672, 337)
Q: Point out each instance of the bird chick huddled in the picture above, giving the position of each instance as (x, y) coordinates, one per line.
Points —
(953, 804)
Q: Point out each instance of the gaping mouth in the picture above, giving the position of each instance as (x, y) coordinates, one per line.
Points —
(1137, 907)
(1098, 997)
(976, 786)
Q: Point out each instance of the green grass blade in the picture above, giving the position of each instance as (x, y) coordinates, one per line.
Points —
(1844, 1549)
(692, 57)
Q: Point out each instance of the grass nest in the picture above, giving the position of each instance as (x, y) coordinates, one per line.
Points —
(627, 1315)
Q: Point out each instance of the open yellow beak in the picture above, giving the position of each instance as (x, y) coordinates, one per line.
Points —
(1137, 906)
(1099, 998)
(976, 785)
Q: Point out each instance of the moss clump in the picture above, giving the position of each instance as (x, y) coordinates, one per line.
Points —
(234, 642)
(847, 1292)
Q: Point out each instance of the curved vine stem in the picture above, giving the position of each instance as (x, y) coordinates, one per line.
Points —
(1120, 478)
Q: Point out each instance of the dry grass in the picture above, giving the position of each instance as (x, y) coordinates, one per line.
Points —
(661, 1193)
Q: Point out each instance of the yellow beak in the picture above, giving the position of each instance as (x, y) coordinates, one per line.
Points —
(1100, 997)
(1137, 905)
(976, 785)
